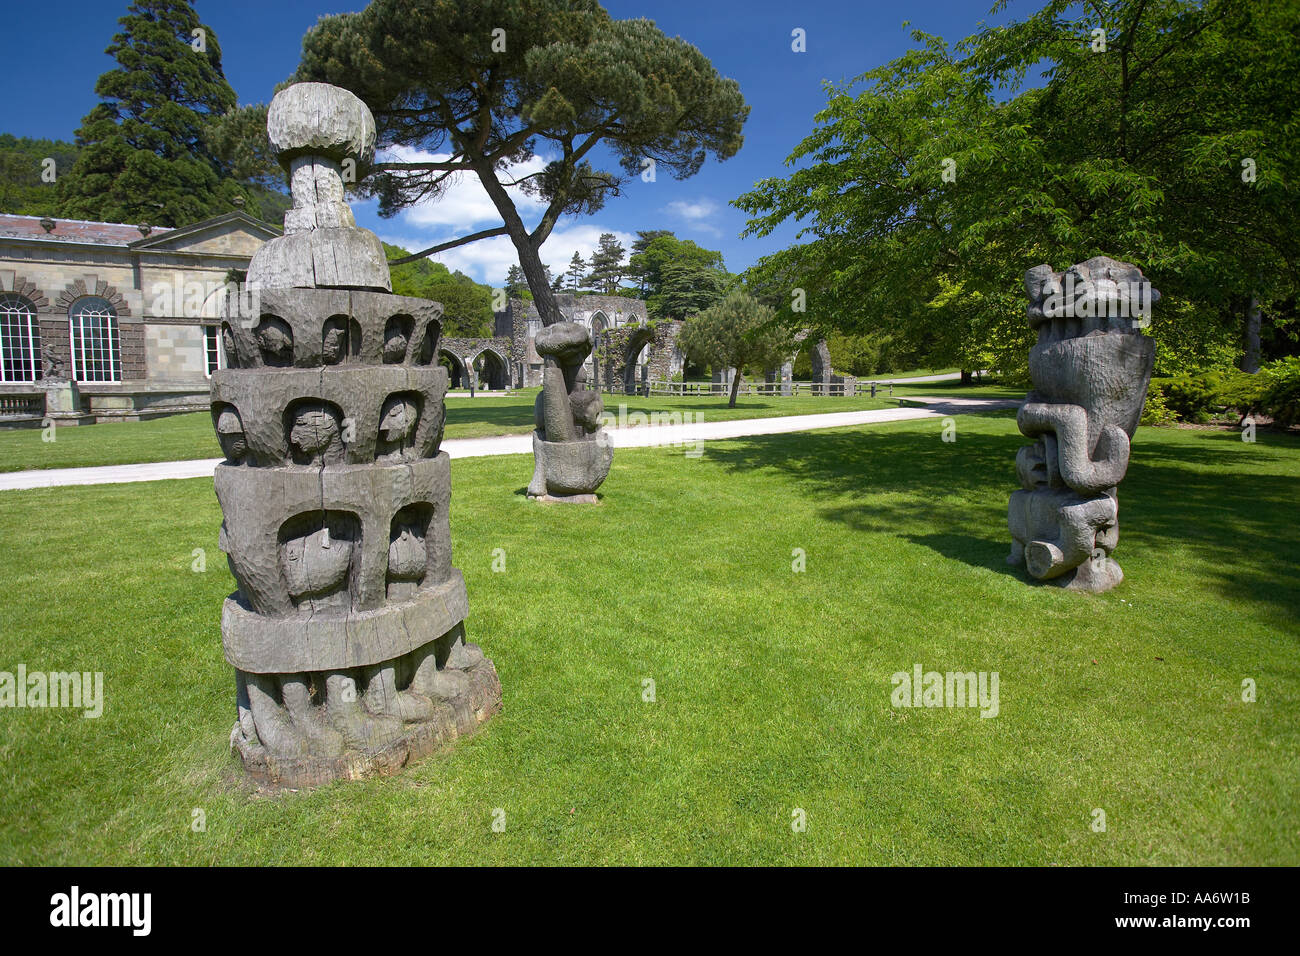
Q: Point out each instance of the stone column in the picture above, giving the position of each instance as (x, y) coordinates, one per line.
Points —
(347, 629)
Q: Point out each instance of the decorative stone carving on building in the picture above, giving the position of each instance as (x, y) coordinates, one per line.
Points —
(347, 629)
(78, 289)
(571, 451)
(1090, 368)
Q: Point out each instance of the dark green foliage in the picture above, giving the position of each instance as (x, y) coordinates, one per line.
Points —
(738, 332)
(23, 191)
(1203, 396)
(606, 267)
(1281, 393)
(1136, 152)
(146, 152)
(490, 83)
(679, 278)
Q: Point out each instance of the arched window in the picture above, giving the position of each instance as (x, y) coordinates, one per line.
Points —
(96, 355)
(20, 339)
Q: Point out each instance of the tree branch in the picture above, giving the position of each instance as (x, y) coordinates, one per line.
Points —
(444, 246)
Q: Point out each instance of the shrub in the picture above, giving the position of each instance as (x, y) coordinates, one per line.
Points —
(1190, 397)
(1200, 396)
(1280, 390)
(1155, 411)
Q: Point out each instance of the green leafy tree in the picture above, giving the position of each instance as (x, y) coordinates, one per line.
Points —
(736, 332)
(679, 278)
(485, 85)
(685, 288)
(145, 154)
(636, 266)
(931, 183)
(238, 139)
(515, 285)
(466, 304)
(26, 188)
(576, 273)
(606, 268)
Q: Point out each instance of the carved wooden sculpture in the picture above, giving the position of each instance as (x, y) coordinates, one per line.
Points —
(347, 630)
(1090, 367)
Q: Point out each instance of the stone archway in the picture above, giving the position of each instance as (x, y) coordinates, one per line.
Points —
(490, 370)
(634, 369)
(455, 369)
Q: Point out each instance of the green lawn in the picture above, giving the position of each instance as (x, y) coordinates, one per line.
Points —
(184, 437)
(773, 687)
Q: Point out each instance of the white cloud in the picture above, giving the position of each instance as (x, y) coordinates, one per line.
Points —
(464, 207)
(488, 260)
(463, 202)
(696, 214)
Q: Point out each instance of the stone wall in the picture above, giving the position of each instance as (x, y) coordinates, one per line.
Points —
(619, 349)
(466, 351)
(521, 320)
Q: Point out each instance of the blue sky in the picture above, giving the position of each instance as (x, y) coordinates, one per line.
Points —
(748, 40)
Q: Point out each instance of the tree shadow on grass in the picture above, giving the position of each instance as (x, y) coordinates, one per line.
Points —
(497, 412)
(952, 497)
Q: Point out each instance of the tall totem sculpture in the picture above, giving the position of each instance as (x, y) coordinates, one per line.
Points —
(1090, 371)
(571, 450)
(347, 629)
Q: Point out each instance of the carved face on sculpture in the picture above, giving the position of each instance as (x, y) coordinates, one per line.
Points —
(316, 557)
(398, 421)
(275, 340)
(230, 434)
(316, 434)
(335, 344)
(397, 336)
(408, 556)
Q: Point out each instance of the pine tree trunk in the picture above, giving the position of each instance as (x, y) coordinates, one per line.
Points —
(735, 388)
(530, 260)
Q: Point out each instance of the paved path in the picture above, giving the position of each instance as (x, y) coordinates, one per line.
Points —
(630, 437)
(944, 377)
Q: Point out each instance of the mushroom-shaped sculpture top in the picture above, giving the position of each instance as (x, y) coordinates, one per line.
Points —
(317, 119)
(566, 342)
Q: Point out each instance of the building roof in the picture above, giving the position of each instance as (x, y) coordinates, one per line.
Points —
(73, 230)
(121, 235)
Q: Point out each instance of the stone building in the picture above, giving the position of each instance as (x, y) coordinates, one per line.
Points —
(130, 316)
(127, 313)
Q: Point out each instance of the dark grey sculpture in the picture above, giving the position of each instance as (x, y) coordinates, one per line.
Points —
(347, 630)
(571, 451)
(1090, 369)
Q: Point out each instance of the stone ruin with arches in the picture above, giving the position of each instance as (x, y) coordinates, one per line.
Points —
(478, 364)
(628, 352)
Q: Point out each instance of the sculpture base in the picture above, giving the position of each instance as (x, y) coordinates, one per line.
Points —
(455, 718)
(572, 469)
(591, 499)
(1093, 576)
